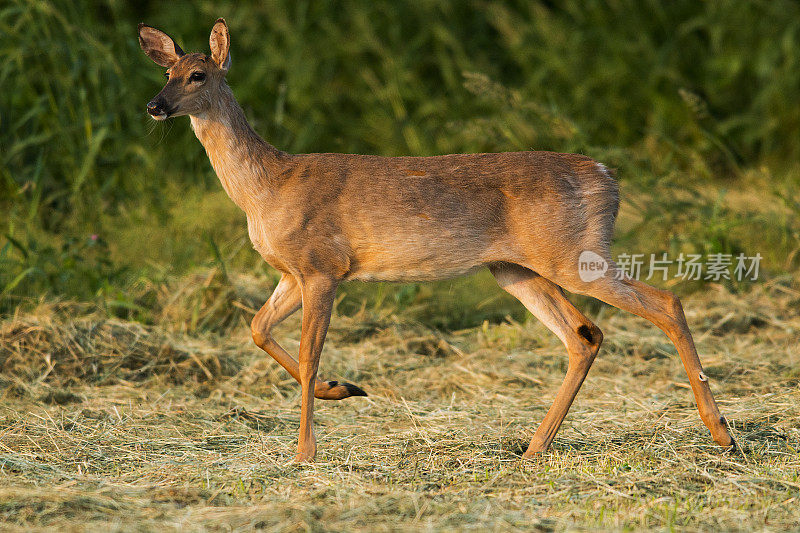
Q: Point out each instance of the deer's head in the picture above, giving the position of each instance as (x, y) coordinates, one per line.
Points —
(194, 79)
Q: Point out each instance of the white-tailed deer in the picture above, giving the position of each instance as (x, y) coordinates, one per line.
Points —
(321, 219)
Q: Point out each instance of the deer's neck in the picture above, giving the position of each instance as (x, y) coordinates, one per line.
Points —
(243, 161)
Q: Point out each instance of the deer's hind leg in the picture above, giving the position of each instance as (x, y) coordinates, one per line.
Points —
(285, 300)
(663, 309)
(546, 301)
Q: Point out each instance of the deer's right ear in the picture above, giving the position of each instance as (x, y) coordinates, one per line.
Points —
(159, 46)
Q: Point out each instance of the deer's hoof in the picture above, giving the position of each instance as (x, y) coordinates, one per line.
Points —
(535, 450)
(721, 433)
(725, 440)
(333, 390)
(305, 454)
(303, 459)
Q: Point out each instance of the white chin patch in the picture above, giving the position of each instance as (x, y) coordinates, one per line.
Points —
(162, 116)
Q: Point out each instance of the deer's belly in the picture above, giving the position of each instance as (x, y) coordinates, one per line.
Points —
(410, 274)
(414, 263)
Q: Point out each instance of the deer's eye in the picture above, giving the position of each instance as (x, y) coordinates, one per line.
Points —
(197, 76)
(166, 74)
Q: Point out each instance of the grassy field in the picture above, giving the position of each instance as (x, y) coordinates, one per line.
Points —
(132, 398)
(110, 424)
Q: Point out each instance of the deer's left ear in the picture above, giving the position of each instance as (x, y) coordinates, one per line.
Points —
(220, 42)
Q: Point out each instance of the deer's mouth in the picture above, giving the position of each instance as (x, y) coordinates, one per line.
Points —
(159, 111)
(162, 114)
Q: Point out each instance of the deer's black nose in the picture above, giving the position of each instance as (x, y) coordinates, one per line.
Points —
(154, 107)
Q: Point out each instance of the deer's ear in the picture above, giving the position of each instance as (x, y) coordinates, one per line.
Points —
(220, 42)
(159, 46)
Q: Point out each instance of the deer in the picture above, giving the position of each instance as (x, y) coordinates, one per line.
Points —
(323, 219)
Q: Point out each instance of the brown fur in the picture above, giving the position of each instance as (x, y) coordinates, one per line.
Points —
(322, 219)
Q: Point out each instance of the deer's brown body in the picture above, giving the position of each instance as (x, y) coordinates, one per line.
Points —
(321, 219)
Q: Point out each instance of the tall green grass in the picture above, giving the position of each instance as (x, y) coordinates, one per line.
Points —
(684, 98)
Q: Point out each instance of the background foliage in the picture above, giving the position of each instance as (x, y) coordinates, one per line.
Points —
(694, 102)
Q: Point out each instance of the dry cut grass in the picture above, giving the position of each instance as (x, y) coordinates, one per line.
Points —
(108, 424)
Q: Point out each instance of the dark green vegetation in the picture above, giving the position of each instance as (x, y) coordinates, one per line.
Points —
(130, 393)
(695, 103)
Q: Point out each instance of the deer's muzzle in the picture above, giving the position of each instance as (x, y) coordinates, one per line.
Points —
(157, 109)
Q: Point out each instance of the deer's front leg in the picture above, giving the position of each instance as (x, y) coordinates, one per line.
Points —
(318, 295)
(284, 301)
